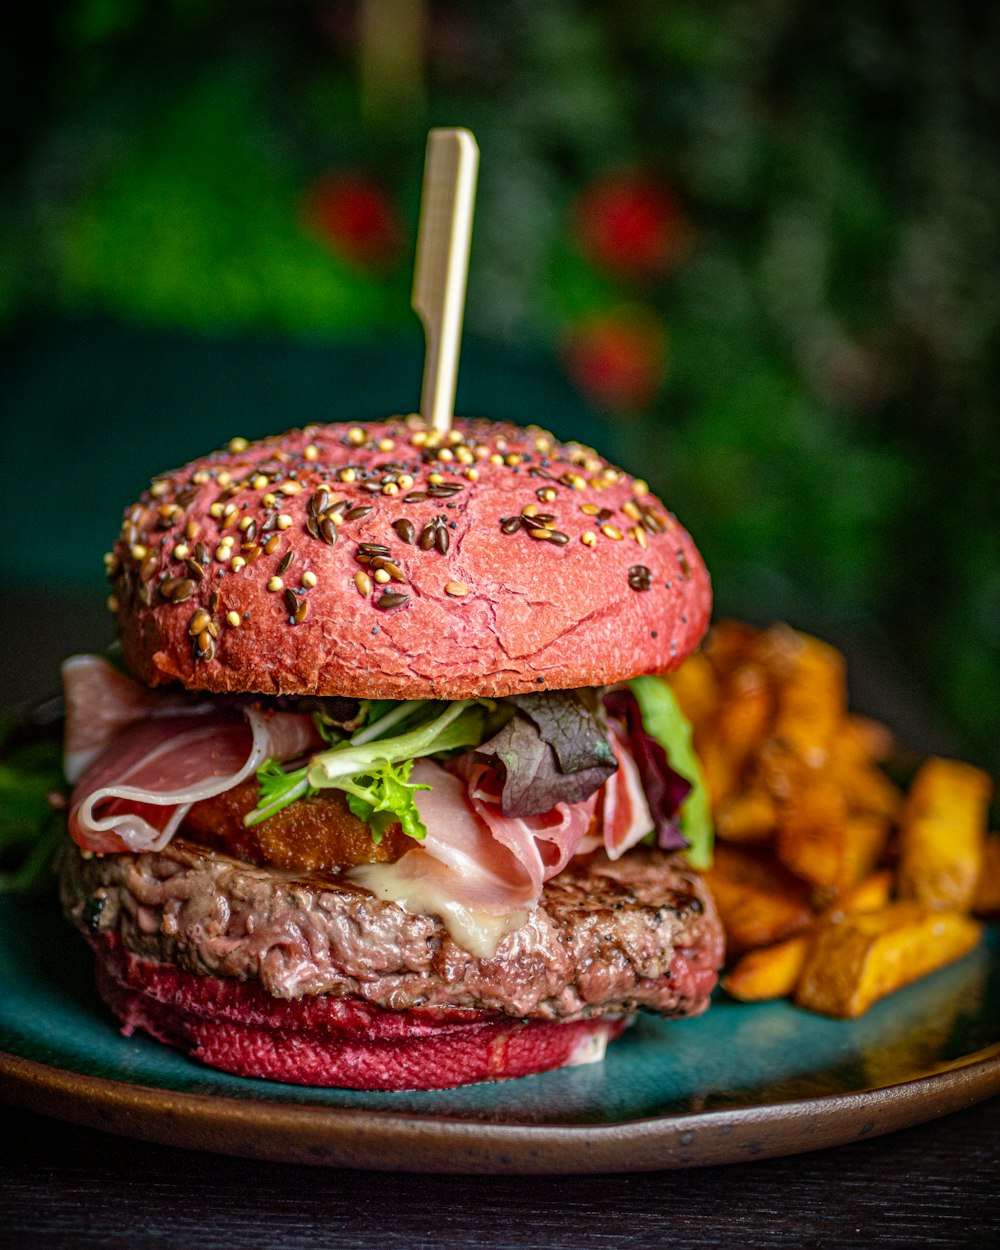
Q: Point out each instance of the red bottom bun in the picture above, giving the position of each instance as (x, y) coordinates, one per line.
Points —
(238, 1027)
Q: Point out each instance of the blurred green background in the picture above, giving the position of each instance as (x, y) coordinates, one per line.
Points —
(751, 249)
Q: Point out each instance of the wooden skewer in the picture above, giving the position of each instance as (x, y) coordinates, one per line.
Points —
(442, 264)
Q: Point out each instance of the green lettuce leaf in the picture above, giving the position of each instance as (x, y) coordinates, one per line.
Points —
(663, 720)
(372, 769)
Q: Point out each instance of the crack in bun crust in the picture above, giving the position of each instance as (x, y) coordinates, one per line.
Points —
(260, 568)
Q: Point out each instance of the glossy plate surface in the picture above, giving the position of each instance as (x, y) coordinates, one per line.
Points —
(744, 1081)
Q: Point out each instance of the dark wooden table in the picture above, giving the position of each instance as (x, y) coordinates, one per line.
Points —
(65, 1187)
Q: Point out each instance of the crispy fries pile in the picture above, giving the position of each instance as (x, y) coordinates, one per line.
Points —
(834, 887)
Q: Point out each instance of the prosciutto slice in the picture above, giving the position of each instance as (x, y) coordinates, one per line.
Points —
(625, 815)
(101, 701)
(474, 856)
(140, 758)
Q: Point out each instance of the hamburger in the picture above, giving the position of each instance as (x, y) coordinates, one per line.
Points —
(382, 789)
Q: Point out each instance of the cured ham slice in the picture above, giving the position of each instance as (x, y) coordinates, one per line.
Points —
(100, 702)
(141, 757)
(626, 818)
(478, 869)
(135, 795)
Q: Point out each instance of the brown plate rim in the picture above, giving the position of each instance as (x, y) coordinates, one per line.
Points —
(386, 1140)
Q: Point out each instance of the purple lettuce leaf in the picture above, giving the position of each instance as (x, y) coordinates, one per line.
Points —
(553, 750)
(665, 789)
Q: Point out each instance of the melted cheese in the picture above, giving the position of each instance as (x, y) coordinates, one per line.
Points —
(478, 932)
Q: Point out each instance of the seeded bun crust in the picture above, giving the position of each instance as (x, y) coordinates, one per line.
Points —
(600, 584)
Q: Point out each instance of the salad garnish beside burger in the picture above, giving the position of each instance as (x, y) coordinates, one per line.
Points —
(383, 789)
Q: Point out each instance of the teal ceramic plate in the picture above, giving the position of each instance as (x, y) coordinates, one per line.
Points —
(744, 1081)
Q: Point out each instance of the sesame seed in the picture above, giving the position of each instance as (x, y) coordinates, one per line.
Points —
(309, 579)
(191, 530)
(364, 583)
(275, 583)
(541, 532)
(609, 531)
(588, 538)
(234, 619)
(457, 590)
(639, 534)
(631, 510)
(290, 488)
(284, 520)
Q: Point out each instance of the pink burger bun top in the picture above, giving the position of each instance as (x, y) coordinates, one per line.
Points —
(385, 561)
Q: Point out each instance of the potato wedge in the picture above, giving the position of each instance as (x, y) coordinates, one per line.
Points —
(871, 894)
(696, 689)
(769, 971)
(941, 835)
(750, 816)
(859, 958)
(812, 700)
(823, 843)
(759, 901)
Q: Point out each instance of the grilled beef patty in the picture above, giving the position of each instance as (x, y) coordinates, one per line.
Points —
(605, 938)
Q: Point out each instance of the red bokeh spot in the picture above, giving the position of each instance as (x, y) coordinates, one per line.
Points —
(356, 218)
(618, 360)
(631, 225)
